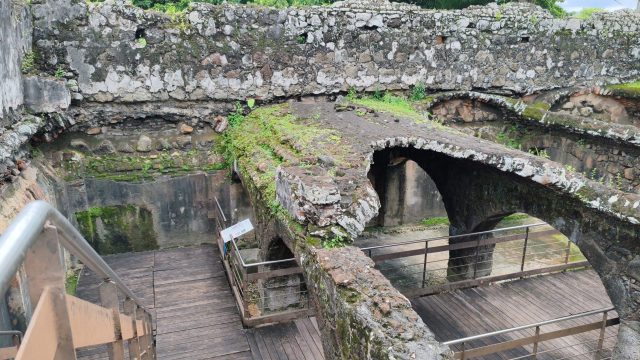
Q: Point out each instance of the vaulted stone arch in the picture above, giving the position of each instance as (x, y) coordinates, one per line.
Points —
(478, 195)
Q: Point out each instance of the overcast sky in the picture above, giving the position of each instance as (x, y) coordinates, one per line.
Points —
(577, 5)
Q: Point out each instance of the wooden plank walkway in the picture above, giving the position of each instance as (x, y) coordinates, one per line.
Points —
(495, 307)
(194, 311)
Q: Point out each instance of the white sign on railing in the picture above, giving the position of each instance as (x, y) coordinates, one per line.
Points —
(236, 230)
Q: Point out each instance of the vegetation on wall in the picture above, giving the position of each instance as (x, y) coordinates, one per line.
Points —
(139, 168)
(172, 6)
(117, 229)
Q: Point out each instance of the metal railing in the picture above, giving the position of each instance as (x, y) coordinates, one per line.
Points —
(31, 246)
(428, 266)
(266, 291)
(533, 342)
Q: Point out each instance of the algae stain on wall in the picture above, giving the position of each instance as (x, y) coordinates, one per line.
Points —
(118, 229)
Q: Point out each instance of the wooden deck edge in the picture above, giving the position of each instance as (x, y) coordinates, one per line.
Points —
(413, 293)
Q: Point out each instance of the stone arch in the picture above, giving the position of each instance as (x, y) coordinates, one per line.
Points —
(397, 180)
(471, 106)
(277, 249)
(478, 190)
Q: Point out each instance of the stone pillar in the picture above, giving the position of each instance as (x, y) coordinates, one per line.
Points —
(472, 262)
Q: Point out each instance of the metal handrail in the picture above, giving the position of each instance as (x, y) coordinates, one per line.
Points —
(245, 265)
(224, 218)
(444, 237)
(17, 333)
(26, 228)
(235, 246)
(529, 326)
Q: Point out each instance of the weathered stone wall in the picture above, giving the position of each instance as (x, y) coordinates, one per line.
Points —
(117, 53)
(15, 34)
(180, 207)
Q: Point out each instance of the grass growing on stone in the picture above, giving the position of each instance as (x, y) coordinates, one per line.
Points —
(138, 168)
(435, 221)
(536, 110)
(71, 282)
(629, 89)
(117, 229)
(272, 136)
(391, 104)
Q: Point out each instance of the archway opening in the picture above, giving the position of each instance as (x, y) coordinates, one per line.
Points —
(408, 195)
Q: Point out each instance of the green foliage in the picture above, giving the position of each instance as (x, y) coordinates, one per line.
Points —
(378, 95)
(419, 92)
(125, 228)
(237, 117)
(251, 103)
(587, 13)
(28, 62)
(391, 104)
(142, 42)
(510, 138)
(352, 94)
(335, 242)
(59, 74)
(499, 15)
(539, 152)
(630, 89)
(435, 221)
(71, 282)
(174, 6)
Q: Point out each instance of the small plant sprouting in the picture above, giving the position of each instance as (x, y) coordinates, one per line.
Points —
(419, 92)
(378, 94)
(236, 117)
(499, 15)
(335, 242)
(570, 168)
(351, 93)
(142, 42)
(539, 152)
(251, 103)
(619, 183)
(59, 74)
(28, 62)
(301, 39)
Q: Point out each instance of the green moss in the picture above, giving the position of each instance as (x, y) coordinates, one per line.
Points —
(71, 282)
(269, 137)
(335, 242)
(28, 62)
(629, 89)
(390, 104)
(117, 229)
(536, 110)
(128, 168)
(435, 221)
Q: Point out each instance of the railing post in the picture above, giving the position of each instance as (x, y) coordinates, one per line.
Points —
(424, 265)
(152, 344)
(598, 353)
(45, 269)
(144, 340)
(109, 299)
(534, 354)
(130, 309)
(475, 266)
(567, 251)
(524, 249)
(462, 355)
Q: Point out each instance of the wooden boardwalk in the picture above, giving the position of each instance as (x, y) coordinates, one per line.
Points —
(195, 314)
(480, 310)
